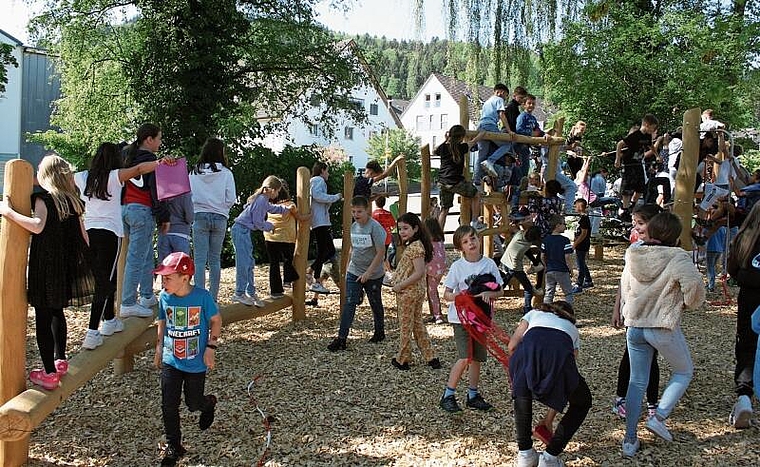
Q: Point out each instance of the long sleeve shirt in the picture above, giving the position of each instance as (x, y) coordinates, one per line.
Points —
(526, 123)
(320, 202)
(254, 216)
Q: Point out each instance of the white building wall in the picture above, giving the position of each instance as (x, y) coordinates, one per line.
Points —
(10, 107)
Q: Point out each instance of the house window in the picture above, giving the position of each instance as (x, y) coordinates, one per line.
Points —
(427, 101)
(444, 121)
(434, 142)
(420, 122)
(358, 104)
(438, 99)
(314, 130)
(373, 109)
(348, 133)
(430, 122)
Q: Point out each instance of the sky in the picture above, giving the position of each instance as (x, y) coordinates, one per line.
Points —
(393, 19)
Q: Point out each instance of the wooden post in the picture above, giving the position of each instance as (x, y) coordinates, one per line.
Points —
(124, 362)
(425, 183)
(345, 248)
(686, 177)
(303, 201)
(551, 171)
(14, 242)
(488, 238)
(403, 188)
(465, 215)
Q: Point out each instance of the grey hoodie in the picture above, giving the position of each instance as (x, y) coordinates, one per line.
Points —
(213, 191)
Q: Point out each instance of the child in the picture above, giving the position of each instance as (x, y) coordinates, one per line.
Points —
(177, 237)
(469, 352)
(409, 285)
(320, 223)
(435, 209)
(527, 125)
(512, 261)
(373, 173)
(189, 325)
(59, 274)
(582, 245)
(659, 281)
(436, 268)
(453, 153)
(365, 273)
(543, 366)
(330, 270)
(629, 154)
(253, 217)
(557, 251)
(493, 113)
(281, 245)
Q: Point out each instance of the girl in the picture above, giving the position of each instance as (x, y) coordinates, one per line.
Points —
(281, 245)
(100, 189)
(543, 366)
(409, 286)
(436, 268)
(659, 281)
(59, 273)
(546, 207)
(744, 267)
(213, 188)
(320, 225)
(253, 217)
(140, 211)
(453, 153)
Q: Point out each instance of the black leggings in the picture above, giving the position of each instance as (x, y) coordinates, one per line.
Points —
(579, 404)
(325, 248)
(624, 375)
(104, 251)
(50, 324)
(746, 341)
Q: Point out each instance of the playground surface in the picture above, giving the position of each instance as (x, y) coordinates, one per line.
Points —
(353, 408)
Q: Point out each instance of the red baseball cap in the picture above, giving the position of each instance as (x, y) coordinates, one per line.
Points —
(176, 262)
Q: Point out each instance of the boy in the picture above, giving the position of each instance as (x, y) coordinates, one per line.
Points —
(527, 125)
(189, 325)
(629, 154)
(493, 112)
(513, 108)
(582, 245)
(373, 173)
(557, 252)
(512, 261)
(365, 273)
(386, 219)
(177, 238)
(469, 351)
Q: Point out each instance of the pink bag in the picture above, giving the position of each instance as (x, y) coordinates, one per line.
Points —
(172, 180)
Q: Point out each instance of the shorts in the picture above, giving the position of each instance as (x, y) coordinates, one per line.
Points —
(463, 188)
(463, 342)
(632, 180)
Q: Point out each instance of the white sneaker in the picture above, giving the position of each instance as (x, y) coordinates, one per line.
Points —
(477, 225)
(258, 303)
(309, 279)
(742, 413)
(489, 168)
(547, 460)
(527, 458)
(111, 326)
(388, 279)
(242, 299)
(317, 287)
(137, 310)
(630, 449)
(149, 302)
(92, 340)
(657, 426)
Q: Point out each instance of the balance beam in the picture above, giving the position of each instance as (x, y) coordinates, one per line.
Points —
(514, 137)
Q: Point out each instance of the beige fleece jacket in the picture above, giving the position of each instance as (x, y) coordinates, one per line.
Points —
(658, 282)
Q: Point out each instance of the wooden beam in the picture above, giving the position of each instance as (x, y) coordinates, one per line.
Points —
(125, 362)
(425, 183)
(686, 177)
(487, 234)
(514, 137)
(465, 211)
(300, 257)
(348, 191)
(403, 187)
(551, 170)
(14, 243)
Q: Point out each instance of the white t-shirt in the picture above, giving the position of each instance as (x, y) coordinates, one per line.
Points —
(544, 319)
(726, 172)
(99, 213)
(460, 270)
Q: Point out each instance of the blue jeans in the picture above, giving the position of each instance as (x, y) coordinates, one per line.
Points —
(244, 262)
(168, 244)
(484, 148)
(354, 290)
(584, 275)
(712, 259)
(208, 237)
(642, 343)
(522, 278)
(138, 270)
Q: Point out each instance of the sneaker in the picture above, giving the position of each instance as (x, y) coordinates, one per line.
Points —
(651, 410)
(449, 404)
(242, 299)
(439, 320)
(528, 458)
(478, 403)
(287, 285)
(478, 225)
(539, 292)
(657, 426)
(535, 268)
(547, 460)
(434, 364)
(588, 285)
(489, 168)
(47, 381)
(149, 302)
(275, 296)
(172, 454)
(207, 416)
(111, 326)
(137, 310)
(337, 344)
(309, 279)
(258, 303)
(317, 287)
(312, 302)
(61, 367)
(92, 340)
(377, 337)
(388, 279)
(400, 366)
(630, 449)
(543, 434)
(618, 408)
(741, 413)
(577, 289)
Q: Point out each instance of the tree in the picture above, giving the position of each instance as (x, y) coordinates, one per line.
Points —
(386, 146)
(6, 59)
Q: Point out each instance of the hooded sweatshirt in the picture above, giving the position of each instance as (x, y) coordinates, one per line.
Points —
(658, 282)
(213, 192)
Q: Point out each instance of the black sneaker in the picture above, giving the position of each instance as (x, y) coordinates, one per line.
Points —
(449, 404)
(207, 416)
(588, 285)
(337, 344)
(478, 403)
(377, 337)
(172, 454)
(312, 302)
(401, 366)
(435, 364)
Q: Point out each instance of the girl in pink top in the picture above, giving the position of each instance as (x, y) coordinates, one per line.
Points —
(436, 268)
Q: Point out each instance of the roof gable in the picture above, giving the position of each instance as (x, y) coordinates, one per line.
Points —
(11, 38)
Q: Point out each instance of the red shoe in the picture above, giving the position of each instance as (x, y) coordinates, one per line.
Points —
(48, 381)
(62, 367)
(543, 433)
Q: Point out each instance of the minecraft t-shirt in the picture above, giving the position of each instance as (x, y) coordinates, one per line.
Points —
(187, 326)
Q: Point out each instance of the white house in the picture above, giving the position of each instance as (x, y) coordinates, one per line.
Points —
(349, 137)
(10, 104)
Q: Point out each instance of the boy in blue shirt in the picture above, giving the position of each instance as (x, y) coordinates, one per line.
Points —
(527, 125)
(492, 113)
(189, 325)
(557, 251)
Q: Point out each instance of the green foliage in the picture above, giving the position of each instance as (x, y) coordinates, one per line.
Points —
(393, 143)
(6, 59)
(751, 160)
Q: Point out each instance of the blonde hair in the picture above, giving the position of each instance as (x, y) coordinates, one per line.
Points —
(271, 182)
(577, 127)
(56, 176)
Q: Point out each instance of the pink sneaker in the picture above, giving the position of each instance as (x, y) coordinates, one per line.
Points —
(62, 367)
(48, 381)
